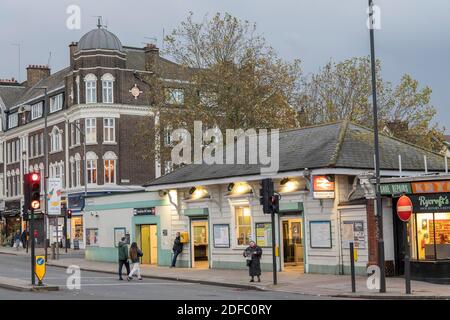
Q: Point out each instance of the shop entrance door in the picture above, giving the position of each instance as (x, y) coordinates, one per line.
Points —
(293, 244)
(149, 243)
(200, 244)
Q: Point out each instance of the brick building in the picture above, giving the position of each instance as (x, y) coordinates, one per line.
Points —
(99, 98)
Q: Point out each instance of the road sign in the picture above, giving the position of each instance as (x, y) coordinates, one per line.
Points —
(40, 267)
(404, 208)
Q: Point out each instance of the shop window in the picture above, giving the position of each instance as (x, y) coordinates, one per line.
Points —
(91, 237)
(243, 225)
(431, 236)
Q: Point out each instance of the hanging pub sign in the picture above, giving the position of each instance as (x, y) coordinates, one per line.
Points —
(150, 211)
(438, 202)
(323, 187)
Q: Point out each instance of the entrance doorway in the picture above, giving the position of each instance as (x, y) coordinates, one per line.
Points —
(200, 244)
(293, 244)
(149, 243)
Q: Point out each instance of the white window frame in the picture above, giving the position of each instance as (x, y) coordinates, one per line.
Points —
(91, 88)
(75, 133)
(235, 224)
(175, 96)
(36, 110)
(107, 158)
(91, 130)
(107, 88)
(13, 120)
(168, 167)
(56, 140)
(109, 130)
(92, 168)
(56, 103)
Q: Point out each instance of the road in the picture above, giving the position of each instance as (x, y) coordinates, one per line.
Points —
(103, 286)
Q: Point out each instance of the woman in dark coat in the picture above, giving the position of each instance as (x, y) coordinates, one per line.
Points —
(253, 255)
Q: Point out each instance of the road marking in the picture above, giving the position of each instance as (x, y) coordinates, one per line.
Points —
(132, 284)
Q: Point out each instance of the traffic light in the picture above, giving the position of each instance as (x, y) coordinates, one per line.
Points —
(275, 203)
(69, 214)
(265, 193)
(32, 191)
(25, 215)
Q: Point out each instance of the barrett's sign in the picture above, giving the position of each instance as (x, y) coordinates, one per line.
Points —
(431, 186)
(431, 203)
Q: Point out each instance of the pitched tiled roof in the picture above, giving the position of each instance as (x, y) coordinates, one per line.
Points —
(334, 145)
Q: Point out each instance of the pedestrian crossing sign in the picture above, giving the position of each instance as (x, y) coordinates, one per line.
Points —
(39, 268)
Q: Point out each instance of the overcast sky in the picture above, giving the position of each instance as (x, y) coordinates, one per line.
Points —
(414, 36)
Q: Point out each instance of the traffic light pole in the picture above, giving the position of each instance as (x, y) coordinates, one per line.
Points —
(33, 254)
(274, 258)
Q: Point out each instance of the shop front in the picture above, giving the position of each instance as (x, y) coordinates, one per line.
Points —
(428, 229)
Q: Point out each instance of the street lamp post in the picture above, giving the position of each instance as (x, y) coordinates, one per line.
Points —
(45, 169)
(377, 153)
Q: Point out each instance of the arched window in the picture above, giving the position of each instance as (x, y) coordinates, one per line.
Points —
(107, 88)
(91, 165)
(77, 170)
(91, 88)
(110, 163)
(56, 144)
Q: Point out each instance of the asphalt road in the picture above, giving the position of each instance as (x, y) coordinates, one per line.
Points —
(100, 286)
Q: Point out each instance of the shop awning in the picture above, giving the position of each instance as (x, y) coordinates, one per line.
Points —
(196, 212)
(291, 207)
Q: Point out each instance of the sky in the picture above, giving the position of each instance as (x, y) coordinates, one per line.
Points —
(414, 37)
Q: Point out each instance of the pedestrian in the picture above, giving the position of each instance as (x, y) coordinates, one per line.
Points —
(123, 257)
(24, 238)
(177, 249)
(253, 255)
(17, 240)
(135, 255)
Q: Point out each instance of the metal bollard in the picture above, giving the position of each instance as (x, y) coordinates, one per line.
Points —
(352, 266)
(53, 251)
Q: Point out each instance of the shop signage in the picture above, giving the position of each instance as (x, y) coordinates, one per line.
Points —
(431, 186)
(404, 208)
(150, 211)
(323, 187)
(439, 202)
(395, 188)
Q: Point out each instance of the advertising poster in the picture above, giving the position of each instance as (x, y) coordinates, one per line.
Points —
(320, 232)
(264, 234)
(353, 231)
(221, 235)
(54, 196)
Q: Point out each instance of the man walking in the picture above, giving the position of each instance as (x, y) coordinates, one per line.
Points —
(123, 257)
(177, 248)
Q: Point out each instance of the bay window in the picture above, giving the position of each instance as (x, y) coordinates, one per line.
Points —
(91, 88)
(109, 130)
(107, 88)
(91, 130)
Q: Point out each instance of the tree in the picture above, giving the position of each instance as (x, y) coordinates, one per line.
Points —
(343, 91)
(236, 80)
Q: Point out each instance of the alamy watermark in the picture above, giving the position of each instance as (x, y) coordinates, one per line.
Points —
(73, 21)
(210, 147)
(73, 281)
(374, 19)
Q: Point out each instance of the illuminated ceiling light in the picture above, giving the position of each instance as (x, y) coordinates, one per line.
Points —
(289, 185)
(241, 188)
(198, 192)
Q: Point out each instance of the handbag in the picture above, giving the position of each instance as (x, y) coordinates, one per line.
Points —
(249, 262)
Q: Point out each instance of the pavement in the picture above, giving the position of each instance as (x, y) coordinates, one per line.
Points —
(319, 285)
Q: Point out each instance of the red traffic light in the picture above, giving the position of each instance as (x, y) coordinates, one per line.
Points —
(35, 177)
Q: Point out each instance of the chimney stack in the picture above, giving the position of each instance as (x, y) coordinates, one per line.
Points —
(36, 73)
(8, 82)
(72, 48)
(151, 57)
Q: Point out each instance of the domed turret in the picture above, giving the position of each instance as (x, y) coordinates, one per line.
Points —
(100, 39)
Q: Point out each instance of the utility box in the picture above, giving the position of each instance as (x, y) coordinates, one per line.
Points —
(184, 237)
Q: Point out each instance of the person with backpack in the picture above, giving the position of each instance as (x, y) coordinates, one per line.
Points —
(123, 257)
(135, 255)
